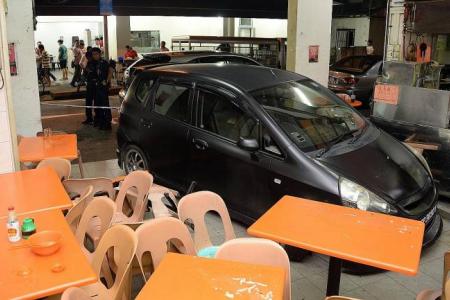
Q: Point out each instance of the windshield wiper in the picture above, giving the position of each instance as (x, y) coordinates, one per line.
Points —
(335, 141)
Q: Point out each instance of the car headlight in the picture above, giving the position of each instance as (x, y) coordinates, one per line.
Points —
(354, 195)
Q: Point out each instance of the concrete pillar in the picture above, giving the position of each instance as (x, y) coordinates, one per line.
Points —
(24, 86)
(123, 34)
(8, 141)
(309, 24)
(228, 26)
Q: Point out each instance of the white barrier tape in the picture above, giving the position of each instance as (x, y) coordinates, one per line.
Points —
(80, 106)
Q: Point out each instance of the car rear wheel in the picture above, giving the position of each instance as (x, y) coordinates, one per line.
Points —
(134, 159)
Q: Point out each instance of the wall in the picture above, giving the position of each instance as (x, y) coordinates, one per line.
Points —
(361, 26)
(50, 29)
(267, 28)
(25, 93)
(176, 26)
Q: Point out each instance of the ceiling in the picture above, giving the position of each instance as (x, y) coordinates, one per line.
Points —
(206, 8)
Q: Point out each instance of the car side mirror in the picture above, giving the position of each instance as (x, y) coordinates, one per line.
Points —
(248, 144)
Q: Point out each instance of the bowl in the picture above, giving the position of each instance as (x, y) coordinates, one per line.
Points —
(45, 242)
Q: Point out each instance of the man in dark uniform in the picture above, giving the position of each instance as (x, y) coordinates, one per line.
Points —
(99, 74)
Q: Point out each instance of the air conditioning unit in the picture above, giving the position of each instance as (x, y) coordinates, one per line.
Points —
(245, 23)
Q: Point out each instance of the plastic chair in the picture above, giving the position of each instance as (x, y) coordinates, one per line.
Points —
(154, 236)
(123, 241)
(74, 215)
(62, 166)
(75, 293)
(95, 221)
(139, 182)
(194, 207)
(101, 186)
(258, 251)
(444, 293)
(339, 298)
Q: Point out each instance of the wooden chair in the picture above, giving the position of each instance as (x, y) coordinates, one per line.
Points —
(444, 293)
(154, 237)
(123, 240)
(75, 293)
(258, 251)
(102, 186)
(74, 215)
(139, 182)
(62, 166)
(194, 207)
(79, 159)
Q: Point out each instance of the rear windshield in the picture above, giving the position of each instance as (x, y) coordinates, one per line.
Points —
(356, 64)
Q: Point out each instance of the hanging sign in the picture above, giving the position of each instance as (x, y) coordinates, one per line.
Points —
(313, 54)
(12, 59)
(386, 93)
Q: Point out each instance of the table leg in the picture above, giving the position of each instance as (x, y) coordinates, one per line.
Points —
(334, 276)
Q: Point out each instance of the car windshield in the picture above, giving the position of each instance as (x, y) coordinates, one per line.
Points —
(356, 64)
(312, 116)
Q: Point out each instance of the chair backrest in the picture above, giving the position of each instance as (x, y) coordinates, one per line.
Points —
(100, 185)
(339, 298)
(154, 236)
(100, 208)
(446, 280)
(195, 206)
(257, 251)
(75, 293)
(74, 215)
(62, 166)
(124, 242)
(141, 182)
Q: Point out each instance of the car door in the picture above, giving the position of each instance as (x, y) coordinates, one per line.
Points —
(165, 130)
(217, 163)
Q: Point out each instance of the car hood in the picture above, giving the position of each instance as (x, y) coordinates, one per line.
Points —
(384, 166)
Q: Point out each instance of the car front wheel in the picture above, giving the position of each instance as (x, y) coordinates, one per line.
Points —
(134, 159)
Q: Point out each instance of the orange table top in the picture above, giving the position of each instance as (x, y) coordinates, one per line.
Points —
(32, 190)
(25, 275)
(190, 277)
(35, 149)
(373, 239)
(355, 103)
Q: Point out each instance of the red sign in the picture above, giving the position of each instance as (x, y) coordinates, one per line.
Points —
(386, 93)
(313, 54)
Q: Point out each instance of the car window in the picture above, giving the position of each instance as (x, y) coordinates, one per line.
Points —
(358, 64)
(143, 89)
(219, 115)
(211, 59)
(269, 145)
(173, 101)
(241, 61)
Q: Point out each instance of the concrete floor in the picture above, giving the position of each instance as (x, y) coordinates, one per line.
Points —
(309, 276)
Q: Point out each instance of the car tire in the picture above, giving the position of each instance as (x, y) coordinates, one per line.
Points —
(134, 159)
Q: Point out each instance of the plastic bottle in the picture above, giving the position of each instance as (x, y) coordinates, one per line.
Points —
(13, 226)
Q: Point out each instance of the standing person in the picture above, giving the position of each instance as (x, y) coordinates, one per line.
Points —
(77, 55)
(163, 47)
(45, 64)
(90, 86)
(99, 74)
(131, 53)
(369, 49)
(62, 57)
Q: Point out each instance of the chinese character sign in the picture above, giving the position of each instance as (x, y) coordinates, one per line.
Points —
(313, 54)
(386, 93)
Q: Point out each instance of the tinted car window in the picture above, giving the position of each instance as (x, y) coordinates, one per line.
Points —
(241, 61)
(358, 64)
(143, 89)
(221, 116)
(172, 101)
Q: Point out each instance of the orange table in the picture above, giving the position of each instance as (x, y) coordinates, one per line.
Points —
(32, 190)
(25, 275)
(35, 149)
(190, 277)
(373, 239)
(355, 103)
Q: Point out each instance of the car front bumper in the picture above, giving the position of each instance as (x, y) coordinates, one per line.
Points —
(432, 230)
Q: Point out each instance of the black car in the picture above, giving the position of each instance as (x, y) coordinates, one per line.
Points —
(356, 75)
(254, 134)
(152, 60)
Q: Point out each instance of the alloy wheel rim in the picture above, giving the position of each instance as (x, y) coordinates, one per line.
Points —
(134, 161)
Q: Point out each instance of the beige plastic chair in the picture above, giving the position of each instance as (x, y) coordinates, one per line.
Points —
(139, 182)
(80, 159)
(258, 251)
(100, 185)
(195, 206)
(74, 215)
(444, 293)
(62, 166)
(75, 293)
(154, 236)
(95, 221)
(123, 241)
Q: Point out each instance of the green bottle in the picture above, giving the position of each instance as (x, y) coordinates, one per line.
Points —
(28, 228)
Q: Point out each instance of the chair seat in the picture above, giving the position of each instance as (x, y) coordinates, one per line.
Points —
(96, 291)
(208, 252)
(429, 295)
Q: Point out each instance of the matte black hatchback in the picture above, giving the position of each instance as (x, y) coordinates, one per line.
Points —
(253, 134)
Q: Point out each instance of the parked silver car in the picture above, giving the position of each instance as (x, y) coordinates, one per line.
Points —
(355, 75)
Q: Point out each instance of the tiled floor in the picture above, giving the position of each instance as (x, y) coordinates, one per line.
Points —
(309, 276)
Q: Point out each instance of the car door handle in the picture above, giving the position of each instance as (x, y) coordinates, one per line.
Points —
(200, 144)
(145, 123)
